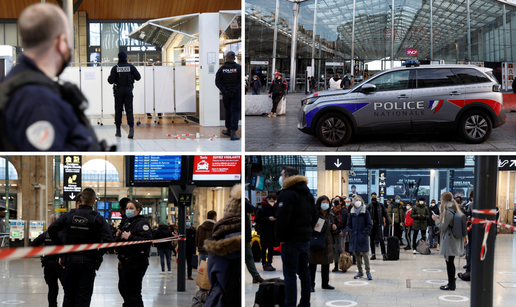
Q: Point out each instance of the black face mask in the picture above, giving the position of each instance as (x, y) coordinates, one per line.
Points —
(65, 62)
(373, 199)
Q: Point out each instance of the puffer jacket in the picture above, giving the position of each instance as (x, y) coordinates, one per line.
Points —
(420, 223)
(296, 214)
(359, 226)
(399, 214)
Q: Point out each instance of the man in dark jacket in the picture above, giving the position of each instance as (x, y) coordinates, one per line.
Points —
(266, 220)
(379, 217)
(433, 209)
(277, 91)
(296, 218)
(341, 218)
(164, 248)
(205, 232)
(249, 259)
(190, 247)
(256, 84)
(396, 209)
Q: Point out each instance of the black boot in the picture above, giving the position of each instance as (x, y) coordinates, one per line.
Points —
(118, 133)
(450, 286)
(131, 132)
(226, 132)
(234, 137)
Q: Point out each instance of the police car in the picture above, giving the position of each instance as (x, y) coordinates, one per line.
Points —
(411, 98)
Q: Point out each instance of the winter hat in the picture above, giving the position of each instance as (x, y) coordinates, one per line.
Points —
(397, 197)
(234, 204)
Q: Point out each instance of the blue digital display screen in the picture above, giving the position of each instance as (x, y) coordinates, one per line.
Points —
(157, 168)
(101, 205)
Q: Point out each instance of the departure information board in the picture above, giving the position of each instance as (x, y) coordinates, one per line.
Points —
(157, 168)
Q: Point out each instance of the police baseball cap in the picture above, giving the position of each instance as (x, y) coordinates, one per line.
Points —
(230, 54)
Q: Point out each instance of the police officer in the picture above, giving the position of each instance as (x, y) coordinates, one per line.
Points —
(52, 269)
(229, 79)
(123, 205)
(123, 76)
(82, 226)
(41, 117)
(134, 258)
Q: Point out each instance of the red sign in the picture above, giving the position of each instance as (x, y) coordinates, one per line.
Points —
(116, 215)
(222, 168)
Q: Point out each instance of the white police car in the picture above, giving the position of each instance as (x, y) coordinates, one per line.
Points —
(411, 98)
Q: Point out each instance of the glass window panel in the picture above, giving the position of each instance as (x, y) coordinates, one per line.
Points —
(94, 34)
(110, 41)
(469, 75)
(397, 80)
(11, 34)
(435, 78)
(2, 34)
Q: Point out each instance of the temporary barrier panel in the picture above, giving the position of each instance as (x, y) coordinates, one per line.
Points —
(90, 87)
(164, 88)
(149, 92)
(185, 89)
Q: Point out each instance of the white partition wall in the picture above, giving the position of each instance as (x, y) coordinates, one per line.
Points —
(91, 79)
(139, 93)
(148, 89)
(164, 88)
(72, 75)
(185, 89)
(108, 99)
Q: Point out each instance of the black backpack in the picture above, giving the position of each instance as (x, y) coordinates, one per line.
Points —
(68, 92)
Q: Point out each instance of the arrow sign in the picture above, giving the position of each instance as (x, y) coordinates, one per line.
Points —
(337, 163)
(72, 196)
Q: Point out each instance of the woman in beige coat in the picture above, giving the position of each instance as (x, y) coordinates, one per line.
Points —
(450, 245)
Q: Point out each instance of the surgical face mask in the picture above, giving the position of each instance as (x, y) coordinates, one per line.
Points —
(254, 78)
(409, 207)
(281, 181)
(358, 204)
(188, 224)
(129, 213)
(66, 62)
(325, 206)
(433, 204)
(373, 199)
(271, 203)
(421, 202)
(348, 203)
(397, 201)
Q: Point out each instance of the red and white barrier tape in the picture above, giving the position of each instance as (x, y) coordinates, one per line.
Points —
(487, 227)
(192, 137)
(35, 251)
(485, 211)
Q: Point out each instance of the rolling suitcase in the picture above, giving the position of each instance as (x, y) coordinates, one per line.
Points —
(271, 293)
(393, 245)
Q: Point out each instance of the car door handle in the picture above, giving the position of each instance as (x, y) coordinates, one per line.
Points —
(454, 93)
(403, 96)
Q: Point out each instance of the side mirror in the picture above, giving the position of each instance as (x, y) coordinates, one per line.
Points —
(367, 88)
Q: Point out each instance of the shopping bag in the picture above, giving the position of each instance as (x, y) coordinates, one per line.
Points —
(202, 279)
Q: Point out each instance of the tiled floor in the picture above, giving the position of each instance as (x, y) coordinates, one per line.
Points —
(287, 137)
(153, 138)
(389, 285)
(22, 281)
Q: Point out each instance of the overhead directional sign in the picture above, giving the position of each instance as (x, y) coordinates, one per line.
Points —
(338, 163)
(507, 163)
(72, 180)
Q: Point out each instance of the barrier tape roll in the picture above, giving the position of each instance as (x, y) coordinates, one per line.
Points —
(487, 227)
(35, 251)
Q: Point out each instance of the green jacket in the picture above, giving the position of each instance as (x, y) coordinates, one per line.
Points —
(420, 223)
(398, 213)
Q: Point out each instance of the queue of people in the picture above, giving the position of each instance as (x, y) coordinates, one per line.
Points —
(318, 232)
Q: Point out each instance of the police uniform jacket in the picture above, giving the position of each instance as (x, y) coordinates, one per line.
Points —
(124, 74)
(39, 119)
(82, 226)
(45, 240)
(140, 231)
(229, 77)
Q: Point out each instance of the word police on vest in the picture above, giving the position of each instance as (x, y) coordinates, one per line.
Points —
(123, 69)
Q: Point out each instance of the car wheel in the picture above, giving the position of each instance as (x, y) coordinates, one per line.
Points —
(257, 252)
(333, 130)
(475, 127)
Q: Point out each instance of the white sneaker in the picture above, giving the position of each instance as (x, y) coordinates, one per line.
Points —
(161, 273)
(169, 273)
(414, 252)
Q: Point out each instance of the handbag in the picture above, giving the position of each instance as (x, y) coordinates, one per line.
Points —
(318, 241)
(423, 247)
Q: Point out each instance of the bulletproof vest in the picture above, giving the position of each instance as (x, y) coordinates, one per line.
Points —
(68, 92)
(138, 250)
(124, 77)
(230, 75)
(80, 227)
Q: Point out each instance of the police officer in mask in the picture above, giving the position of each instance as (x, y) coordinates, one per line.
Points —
(229, 79)
(82, 226)
(123, 76)
(52, 269)
(134, 259)
(36, 113)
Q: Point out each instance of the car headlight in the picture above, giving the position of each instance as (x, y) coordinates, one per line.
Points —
(309, 100)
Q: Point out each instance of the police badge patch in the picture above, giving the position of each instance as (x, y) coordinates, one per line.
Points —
(280, 204)
(145, 227)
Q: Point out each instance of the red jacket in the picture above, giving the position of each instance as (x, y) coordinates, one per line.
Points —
(408, 220)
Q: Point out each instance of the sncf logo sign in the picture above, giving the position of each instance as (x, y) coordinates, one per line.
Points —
(411, 51)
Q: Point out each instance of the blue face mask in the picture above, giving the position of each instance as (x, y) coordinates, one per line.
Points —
(325, 206)
(347, 204)
(129, 213)
(188, 224)
(280, 180)
(397, 201)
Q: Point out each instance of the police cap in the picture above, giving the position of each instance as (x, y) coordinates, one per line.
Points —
(230, 54)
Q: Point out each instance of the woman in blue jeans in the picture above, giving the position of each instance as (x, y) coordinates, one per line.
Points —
(165, 248)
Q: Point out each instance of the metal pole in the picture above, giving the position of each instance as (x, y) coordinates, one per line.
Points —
(505, 35)
(486, 172)
(313, 39)
(181, 265)
(274, 43)
(469, 34)
(57, 183)
(46, 192)
(7, 225)
(163, 205)
(392, 35)
(353, 42)
(68, 9)
(431, 31)
(130, 192)
(295, 11)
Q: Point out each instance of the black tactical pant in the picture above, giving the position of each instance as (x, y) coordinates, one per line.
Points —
(78, 279)
(131, 281)
(124, 100)
(232, 106)
(53, 272)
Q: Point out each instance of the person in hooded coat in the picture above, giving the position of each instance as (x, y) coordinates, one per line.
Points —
(359, 227)
(265, 217)
(420, 214)
(224, 265)
(164, 248)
